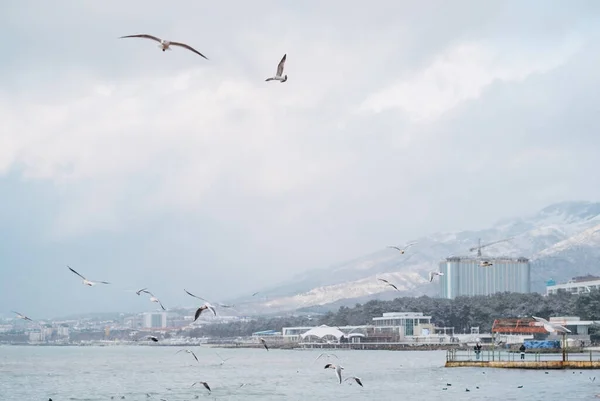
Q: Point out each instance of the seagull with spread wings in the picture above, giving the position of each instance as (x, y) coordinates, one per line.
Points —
(278, 75)
(21, 316)
(165, 44)
(86, 281)
(433, 274)
(403, 249)
(204, 307)
(205, 384)
(388, 283)
(189, 352)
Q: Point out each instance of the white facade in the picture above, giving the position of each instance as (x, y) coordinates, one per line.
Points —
(155, 320)
(404, 324)
(574, 287)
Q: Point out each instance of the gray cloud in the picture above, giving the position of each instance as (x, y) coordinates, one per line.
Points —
(167, 170)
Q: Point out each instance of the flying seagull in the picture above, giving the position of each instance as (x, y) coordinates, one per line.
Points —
(264, 343)
(551, 327)
(388, 283)
(433, 274)
(402, 250)
(278, 76)
(21, 316)
(356, 379)
(485, 263)
(152, 338)
(338, 370)
(204, 307)
(189, 352)
(256, 293)
(325, 355)
(205, 384)
(140, 291)
(164, 44)
(154, 299)
(86, 281)
(223, 360)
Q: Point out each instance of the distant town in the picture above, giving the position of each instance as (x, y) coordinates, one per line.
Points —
(388, 330)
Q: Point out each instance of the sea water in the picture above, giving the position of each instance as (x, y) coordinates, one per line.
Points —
(31, 373)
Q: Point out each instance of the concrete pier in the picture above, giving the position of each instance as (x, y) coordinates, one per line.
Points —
(512, 360)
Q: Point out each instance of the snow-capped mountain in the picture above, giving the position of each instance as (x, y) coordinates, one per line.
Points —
(562, 241)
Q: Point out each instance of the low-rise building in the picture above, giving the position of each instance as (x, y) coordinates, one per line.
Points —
(577, 285)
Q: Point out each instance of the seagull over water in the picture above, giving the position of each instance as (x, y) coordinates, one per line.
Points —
(338, 370)
(86, 281)
(152, 338)
(21, 316)
(189, 352)
(356, 379)
(485, 263)
(278, 76)
(433, 274)
(223, 360)
(205, 384)
(204, 307)
(264, 343)
(326, 355)
(164, 44)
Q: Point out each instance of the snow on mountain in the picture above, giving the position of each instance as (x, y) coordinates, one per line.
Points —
(562, 240)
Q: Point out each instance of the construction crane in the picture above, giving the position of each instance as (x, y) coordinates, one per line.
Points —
(479, 246)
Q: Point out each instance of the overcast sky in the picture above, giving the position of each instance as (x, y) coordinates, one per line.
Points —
(165, 170)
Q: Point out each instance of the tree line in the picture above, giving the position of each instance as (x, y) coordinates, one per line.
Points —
(462, 313)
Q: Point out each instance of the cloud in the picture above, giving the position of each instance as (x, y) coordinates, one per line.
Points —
(462, 72)
(129, 162)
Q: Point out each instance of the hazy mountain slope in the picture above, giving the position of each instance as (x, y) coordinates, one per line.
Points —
(562, 240)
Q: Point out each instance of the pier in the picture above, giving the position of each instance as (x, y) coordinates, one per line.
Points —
(512, 360)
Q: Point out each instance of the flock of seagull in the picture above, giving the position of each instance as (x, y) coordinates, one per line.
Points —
(208, 306)
(166, 45)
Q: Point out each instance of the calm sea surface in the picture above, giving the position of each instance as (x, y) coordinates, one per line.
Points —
(99, 373)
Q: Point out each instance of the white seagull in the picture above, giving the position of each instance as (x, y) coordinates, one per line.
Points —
(205, 384)
(140, 291)
(223, 360)
(485, 263)
(189, 352)
(551, 327)
(402, 250)
(154, 299)
(326, 355)
(152, 338)
(165, 44)
(388, 283)
(21, 316)
(433, 274)
(86, 281)
(356, 379)
(338, 370)
(278, 76)
(204, 307)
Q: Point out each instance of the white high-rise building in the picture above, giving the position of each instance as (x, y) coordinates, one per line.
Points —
(155, 320)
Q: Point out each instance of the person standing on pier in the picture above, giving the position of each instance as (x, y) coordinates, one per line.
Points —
(522, 349)
(477, 349)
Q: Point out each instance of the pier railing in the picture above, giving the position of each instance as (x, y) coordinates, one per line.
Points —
(491, 355)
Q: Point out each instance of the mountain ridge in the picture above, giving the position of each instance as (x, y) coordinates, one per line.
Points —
(561, 240)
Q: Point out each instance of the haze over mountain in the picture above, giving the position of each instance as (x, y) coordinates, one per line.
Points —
(165, 170)
(562, 241)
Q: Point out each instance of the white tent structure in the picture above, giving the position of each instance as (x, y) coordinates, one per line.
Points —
(322, 332)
